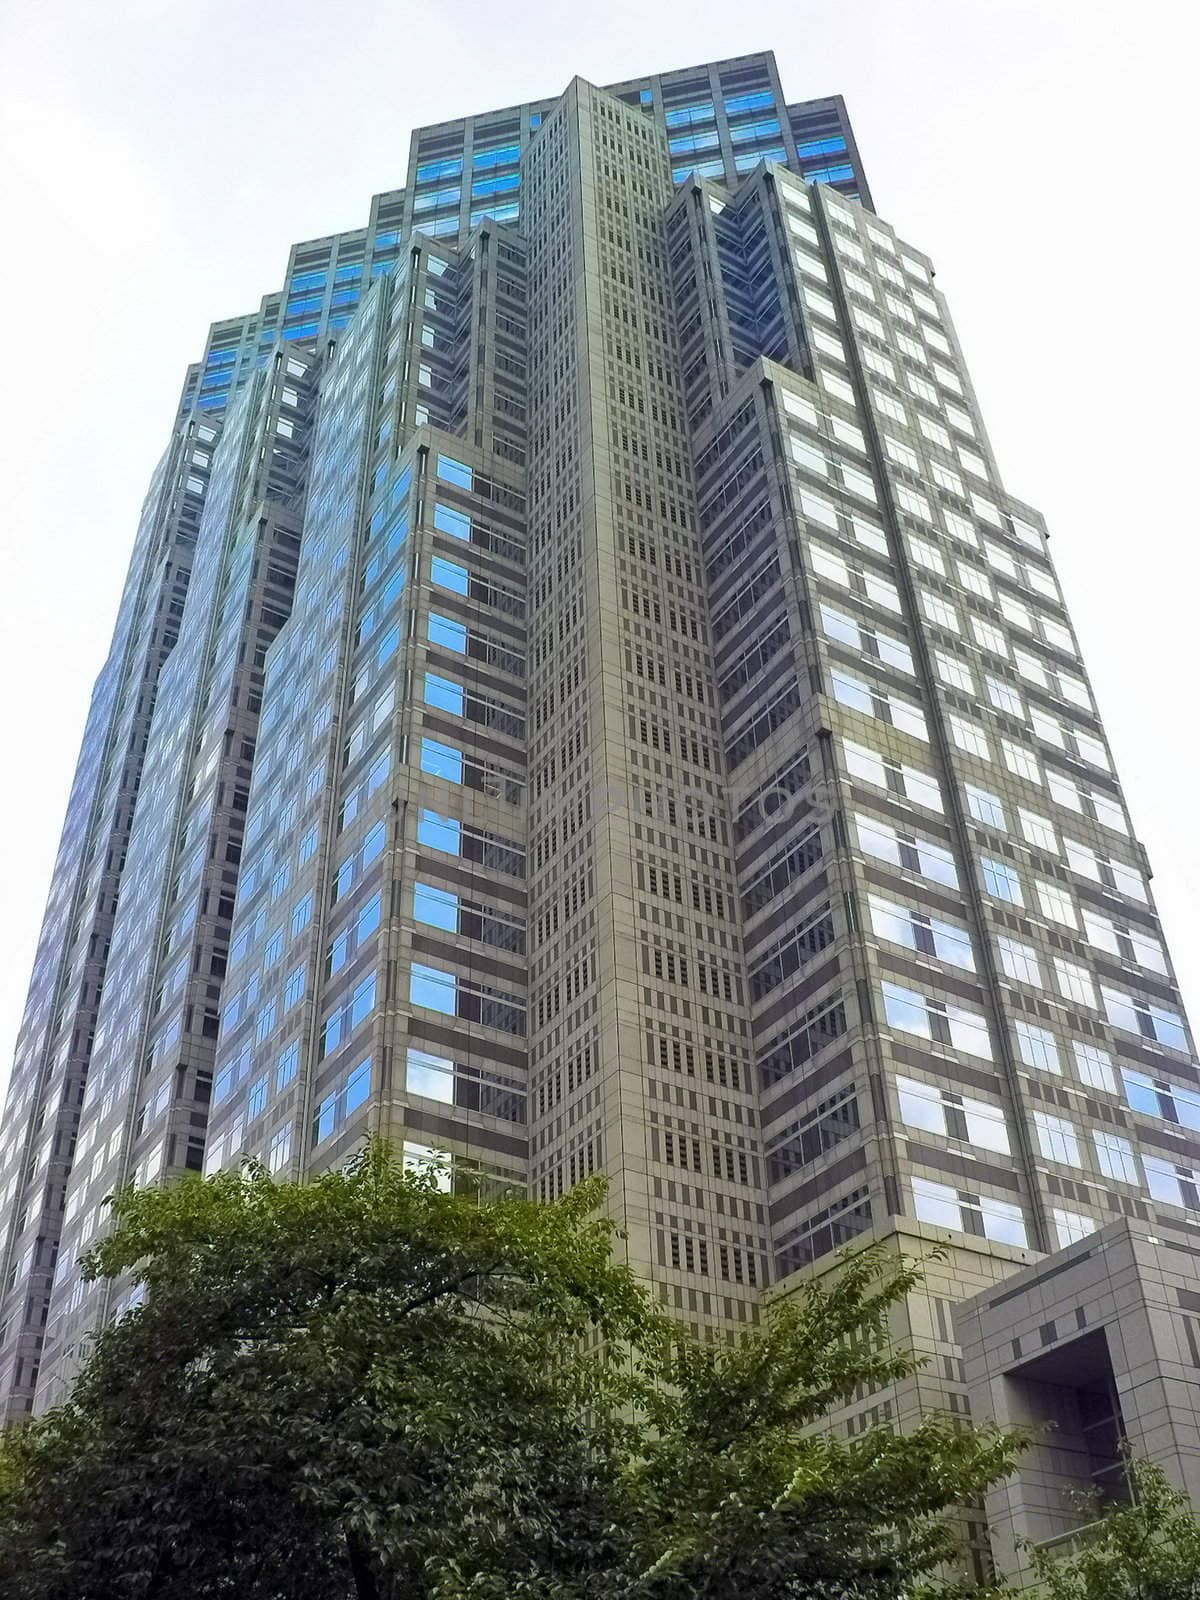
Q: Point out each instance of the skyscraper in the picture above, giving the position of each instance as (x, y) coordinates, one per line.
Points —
(618, 721)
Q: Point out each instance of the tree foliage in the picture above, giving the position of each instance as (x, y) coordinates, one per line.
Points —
(1148, 1549)
(361, 1386)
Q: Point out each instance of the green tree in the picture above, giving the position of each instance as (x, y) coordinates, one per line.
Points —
(1148, 1549)
(359, 1386)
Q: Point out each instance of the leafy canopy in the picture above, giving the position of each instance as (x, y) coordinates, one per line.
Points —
(359, 1386)
(1148, 1549)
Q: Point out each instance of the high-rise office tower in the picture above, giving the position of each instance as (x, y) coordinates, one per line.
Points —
(619, 721)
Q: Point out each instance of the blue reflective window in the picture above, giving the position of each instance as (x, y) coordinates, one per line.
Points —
(438, 908)
(220, 358)
(735, 104)
(449, 634)
(385, 241)
(432, 170)
(351, 270)
(500, 156)
(684, 116)
(358, 1086)
(326, 1118)
(455, 523)
(1000, 880)
(210, 402)
(302, 914)
(440, 833)
(751, 159)
(441, 760)
(429, 986)
(754, 130)
(218, 380)
(256, 1100)
(368, 917)
(388, 645)
(344, 297)
(288, 1065)
(820, 147)
(535, 119)
(702, 169)
(504, 184)
(450, 575)
(446, 224)
(435, 199)
(686, 143)
(373, 844)
(443, 693)
(307, 280)
(508, 213)
(1141, 1094)
(362, 1002)
(305, 303)
(307, 330)
(645, 97)
(452, 471)
(829, 174)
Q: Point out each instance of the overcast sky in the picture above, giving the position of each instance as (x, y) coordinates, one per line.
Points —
(159, 156)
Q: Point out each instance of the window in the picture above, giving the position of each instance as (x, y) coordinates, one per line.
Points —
(429, 1075)
(1115, 1156)
(1169, 1101)
(905, 850)
(1019, 961)
(279, 1152)
(918, 931)
(927, 555)
(1070, 1227)
(444, 693)
(1037, 1047)
(989, 637)
(924, 1105)
(1105, 870)
(895, 776)
(1127, 943)
(446, 632)
(1094, 1066)
(1143, 1017)
(985, 807)
(437, 908)
(1001, 880)
(954, 671)
(342, 1102)
(1020, 761)
(455, 472)
(939, 611)
(1074, 982)
(1057, 1139)
(944, 1207)
(1004, 696)
(441, 760)
(1175, 1186)
(287, 1065)
(450, 575)
(1038, 830)
(1056, 903)
(429, 986)
(936, 1020)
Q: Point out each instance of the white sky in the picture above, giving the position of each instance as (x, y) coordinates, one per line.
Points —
(157, 158)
